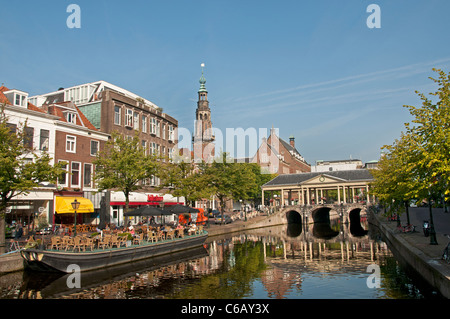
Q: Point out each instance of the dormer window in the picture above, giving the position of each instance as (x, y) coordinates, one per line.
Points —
(71, 117)
(17, 98)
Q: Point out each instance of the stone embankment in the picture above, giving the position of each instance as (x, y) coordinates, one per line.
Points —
(414, 249)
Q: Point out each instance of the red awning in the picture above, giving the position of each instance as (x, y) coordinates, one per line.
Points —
(143, 203)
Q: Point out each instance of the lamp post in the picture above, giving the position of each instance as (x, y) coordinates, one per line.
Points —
(75, 205)
(433, 239)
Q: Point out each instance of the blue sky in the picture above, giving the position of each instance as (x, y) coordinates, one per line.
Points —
(313, 69)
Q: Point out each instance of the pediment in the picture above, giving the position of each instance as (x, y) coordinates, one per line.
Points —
(323, 179)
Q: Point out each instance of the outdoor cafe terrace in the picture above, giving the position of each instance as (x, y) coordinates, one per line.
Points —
(117, 238)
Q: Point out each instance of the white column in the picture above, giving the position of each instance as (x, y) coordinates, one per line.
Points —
(339, 194)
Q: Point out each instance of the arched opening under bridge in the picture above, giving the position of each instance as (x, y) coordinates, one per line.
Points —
(356, 228)
(322, 224)
(294, 226)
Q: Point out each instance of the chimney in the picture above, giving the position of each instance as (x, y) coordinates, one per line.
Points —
(292, 141)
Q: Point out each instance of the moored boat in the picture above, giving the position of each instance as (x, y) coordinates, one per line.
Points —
(64, 261)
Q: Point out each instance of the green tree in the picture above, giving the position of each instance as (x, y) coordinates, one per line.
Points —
(254, 193)
(184, 178)
(431, 131)
(123, 165)
(228, 180)
(418, 165)
(18, 174)
(395, 182)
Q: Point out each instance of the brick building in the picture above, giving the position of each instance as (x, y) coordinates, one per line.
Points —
(109, 109)
(67, 136)
(276, 156)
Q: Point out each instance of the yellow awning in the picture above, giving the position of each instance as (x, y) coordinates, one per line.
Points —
(64, 205)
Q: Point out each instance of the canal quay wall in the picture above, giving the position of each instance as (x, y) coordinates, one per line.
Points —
(11, 263)
(414, 251)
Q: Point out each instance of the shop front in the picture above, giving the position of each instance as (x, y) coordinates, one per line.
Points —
(31, 210)
(136, 200)
(65, 213)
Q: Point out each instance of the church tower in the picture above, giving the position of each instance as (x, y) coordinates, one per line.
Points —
(203, 139)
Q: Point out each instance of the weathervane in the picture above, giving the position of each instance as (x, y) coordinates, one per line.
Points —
(202, 65)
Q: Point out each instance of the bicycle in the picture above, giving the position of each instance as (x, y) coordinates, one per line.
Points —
(446, 253)
(13, 246)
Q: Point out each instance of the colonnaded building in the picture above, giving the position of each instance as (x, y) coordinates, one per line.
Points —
(346, 186)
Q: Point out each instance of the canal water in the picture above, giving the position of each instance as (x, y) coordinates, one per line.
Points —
(320, 262)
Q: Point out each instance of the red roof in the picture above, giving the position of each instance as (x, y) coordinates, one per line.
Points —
(4, 99)
(54, 110)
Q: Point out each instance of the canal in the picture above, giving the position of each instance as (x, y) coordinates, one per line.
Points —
(282, 262)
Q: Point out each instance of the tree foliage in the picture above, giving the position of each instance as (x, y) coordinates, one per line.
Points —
(124, 165)
(182, 178)
(228, 180)
(21, 168)
(417, 166)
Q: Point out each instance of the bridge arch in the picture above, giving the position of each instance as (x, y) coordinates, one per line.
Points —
(293, 217)
(354, 217)
(294, 223)
(321, 215)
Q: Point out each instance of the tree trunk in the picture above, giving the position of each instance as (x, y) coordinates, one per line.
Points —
(127, 203)
(2, 233)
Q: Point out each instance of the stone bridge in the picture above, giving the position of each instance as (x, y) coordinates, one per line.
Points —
(323, 213)
(314, 222)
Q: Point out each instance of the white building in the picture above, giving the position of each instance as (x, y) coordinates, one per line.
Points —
(336, 165)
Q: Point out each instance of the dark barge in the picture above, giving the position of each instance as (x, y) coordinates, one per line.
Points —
(65, 261)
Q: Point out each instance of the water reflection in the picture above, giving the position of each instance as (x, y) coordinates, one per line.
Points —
(314, 261)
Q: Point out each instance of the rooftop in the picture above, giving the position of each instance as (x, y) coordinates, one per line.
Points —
(296, 179)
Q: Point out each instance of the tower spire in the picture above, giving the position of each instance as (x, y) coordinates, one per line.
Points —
(202, 81)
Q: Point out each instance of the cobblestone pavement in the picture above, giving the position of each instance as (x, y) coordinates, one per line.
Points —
(441, 224)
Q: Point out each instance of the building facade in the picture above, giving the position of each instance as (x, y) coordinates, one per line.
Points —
(40, 134)
(336, 165)
(61, 130)
(276, 156)
(109, 109)
(350, 186)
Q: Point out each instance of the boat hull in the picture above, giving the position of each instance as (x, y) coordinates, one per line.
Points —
(48, 260)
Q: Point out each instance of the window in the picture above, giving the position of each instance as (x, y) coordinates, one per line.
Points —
(71, 117)
(117, 114)
(158, 128)
(71, 144)
(144, 146)
(129, 118)
(75, 174)
(20, 100)
(94, 148)
(87, 181)
(62, 179)
(170, 154)
(12, 128)
(153, 125)
(163, 132)
(136, 121)
(44, 140)
(144, 124)
(171, 133)
(115, 211)
(152, 148)
(28, 137)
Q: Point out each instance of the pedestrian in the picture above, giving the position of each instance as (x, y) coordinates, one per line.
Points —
(19, 231)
